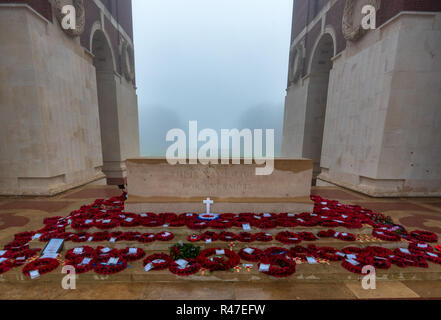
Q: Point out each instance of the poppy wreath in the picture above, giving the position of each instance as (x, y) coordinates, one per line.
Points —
(81, 267)
(116, 236)
(288, 237)
(379, 251)
(419, 263)
(164, 236)
(227, 236)
(105, 268)
(24, 236)
(287, 222)
(351, 250)
(420, 248)
(130, 222)
(103, 256)
(100, 236)
(433, 257)
(147, 238)
(86, 252)
(56, 235)
(168, 216)
(194, 238)
(280, 266)
(218, 263)
(220, 224)
(51, 229)
(411, 255)
(353, 224)
(191, 268)
(197, 224)
(43, 266)
(414, 261)
(308, 223)
(80, 224)
(52, 220)
(329, 253)
(125, 253)
(5, 266)
(275, 251)
(344, 236)
(227, 216)
(381, 262)
(22, 256)
(80, 237)
(188, 216)
(17, 245)
(307, 236)
(326, 234)
(265, 224)
(130, 236)
(424, 236)
(245, 237)
(385, 235)
(209, 235)
(354, 268)
(238, 222)
(151, 222)
(160, 261)
(302, 252)
(104, 225)
(398, 261)
(329, 224)
(263, 237)
(178, 222)
(255, 256)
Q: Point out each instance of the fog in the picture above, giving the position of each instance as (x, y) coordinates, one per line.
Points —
(223, 63)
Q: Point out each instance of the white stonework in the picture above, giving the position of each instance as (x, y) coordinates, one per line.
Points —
(50, 121)
(382, 135)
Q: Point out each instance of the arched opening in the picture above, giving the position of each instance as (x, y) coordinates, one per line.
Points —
(320, 67)
(107, 102)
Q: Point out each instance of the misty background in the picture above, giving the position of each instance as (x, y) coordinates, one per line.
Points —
(223, 63)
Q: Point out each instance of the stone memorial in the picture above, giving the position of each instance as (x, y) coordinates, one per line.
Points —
(156, 186)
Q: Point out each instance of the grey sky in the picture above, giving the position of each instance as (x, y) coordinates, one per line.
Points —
(221, 62)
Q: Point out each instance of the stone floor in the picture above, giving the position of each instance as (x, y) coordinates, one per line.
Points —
(21, 214)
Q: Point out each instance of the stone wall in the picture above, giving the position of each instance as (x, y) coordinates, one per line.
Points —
(380, 134)
(50, 108)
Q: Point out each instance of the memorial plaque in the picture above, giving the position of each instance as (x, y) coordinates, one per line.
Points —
(155, 185)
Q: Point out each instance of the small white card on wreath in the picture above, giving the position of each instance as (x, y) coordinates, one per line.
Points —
(220, 252)
(264, 267)
(133, 250)
(249, 250)
(246, 227)
(78, 251)
(148, 267)
(182, 263)
(311, 260)
(34, 274)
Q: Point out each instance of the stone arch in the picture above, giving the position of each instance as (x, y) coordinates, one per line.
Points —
(320, 65)
(104, 63)
(98, 27)
(330, 31)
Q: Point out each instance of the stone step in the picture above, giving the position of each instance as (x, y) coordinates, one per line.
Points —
(366, 229)
(304, 273)
(163, 246)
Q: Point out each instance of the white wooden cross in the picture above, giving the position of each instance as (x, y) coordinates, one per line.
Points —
(208, 202)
